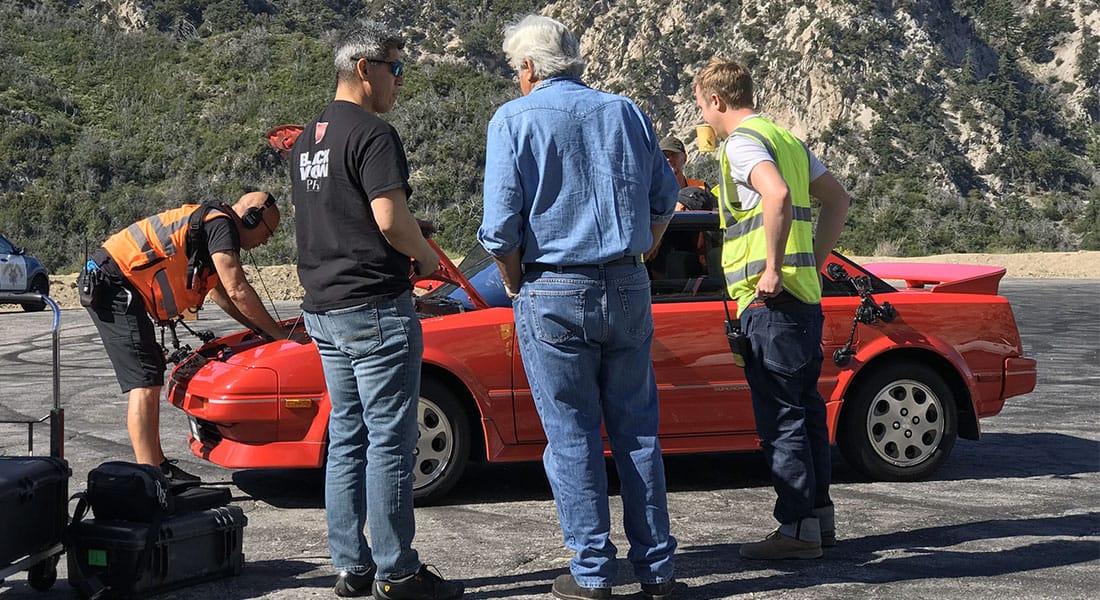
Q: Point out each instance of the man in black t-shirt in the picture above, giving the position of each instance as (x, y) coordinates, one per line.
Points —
(355, 237)
(144, 271)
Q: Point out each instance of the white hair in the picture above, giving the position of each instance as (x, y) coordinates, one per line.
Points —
(368, 39)
(549, 45)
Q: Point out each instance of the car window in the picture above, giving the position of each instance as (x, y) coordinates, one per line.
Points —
(830, 287)
(5, 246)
(688, 263)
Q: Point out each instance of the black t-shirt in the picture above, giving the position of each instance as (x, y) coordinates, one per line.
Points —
(222, 236)
(340, 163)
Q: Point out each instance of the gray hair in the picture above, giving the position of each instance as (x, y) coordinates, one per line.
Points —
(549, 44)
(368, 39)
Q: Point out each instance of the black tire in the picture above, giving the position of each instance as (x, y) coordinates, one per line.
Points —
(39, 285)
(899, 422)
(43, 574)
(443, 447)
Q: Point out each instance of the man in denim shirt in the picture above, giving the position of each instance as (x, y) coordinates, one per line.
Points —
(576, 190)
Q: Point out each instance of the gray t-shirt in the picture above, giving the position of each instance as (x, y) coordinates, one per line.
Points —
(744, 153)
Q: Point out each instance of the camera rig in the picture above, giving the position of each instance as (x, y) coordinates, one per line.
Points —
(180, 351)
(868, 312)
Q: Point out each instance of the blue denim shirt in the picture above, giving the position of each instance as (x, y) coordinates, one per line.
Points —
(573, 176)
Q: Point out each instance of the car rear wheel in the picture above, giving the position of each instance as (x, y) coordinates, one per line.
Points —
(898, 424)
(39, 285)
(443, 447)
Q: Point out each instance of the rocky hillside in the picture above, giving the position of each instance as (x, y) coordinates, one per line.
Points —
(960, 125)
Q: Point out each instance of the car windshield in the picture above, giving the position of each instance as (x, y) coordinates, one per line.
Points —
(478, 268)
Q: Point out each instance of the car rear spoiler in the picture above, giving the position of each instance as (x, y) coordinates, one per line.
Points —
(958, 279)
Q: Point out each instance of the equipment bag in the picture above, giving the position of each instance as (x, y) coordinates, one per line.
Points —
(120, 491)
(129, 492)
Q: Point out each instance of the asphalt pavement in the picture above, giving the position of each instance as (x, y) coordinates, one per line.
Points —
(1014, 515)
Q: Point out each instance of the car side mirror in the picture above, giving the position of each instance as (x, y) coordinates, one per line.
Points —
(19, 250)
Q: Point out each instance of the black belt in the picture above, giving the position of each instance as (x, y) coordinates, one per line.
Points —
(537, 266)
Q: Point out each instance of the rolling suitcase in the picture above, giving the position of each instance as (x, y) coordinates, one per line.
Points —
(131, 559)
(34, 491)
(34, 507)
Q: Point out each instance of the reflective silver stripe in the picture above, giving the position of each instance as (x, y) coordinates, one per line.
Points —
(142, 242)
(767, 144)
(168, 299)
(760, 138)
(165, 232)
(164, 236)
(798, 259)
(740, 228)
(798, 213)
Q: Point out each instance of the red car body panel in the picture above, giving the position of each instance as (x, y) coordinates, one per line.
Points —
(265, 404)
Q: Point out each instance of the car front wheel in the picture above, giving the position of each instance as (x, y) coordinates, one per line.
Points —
(898, 424)
(39, 285)
(443, 447)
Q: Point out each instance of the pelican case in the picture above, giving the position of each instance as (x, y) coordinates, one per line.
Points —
(34, 504)
(131, 559)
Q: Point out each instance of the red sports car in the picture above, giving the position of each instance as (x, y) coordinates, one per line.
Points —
(907, 369)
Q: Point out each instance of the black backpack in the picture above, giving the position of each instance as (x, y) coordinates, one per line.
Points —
(125, 491)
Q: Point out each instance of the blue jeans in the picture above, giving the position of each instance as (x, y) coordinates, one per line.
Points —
(371, 357)
(782, 372)
(585, 336)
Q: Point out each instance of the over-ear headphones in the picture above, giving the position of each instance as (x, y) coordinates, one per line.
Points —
(255, 215)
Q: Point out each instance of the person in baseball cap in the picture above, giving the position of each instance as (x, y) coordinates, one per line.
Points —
(676, 156)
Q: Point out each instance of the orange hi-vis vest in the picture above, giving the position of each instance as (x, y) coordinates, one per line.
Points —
(153, 255)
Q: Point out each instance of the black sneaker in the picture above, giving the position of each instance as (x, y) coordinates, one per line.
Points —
(422, 585)
(658, 591)
(176, 474)
(566, 588)
(351, 585)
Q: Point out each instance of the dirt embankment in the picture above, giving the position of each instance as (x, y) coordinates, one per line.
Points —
(280, 282)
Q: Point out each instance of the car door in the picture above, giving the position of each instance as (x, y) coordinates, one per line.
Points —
(701, 390)
(13, 268)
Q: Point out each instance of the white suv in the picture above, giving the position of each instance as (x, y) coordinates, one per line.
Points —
(20, 273)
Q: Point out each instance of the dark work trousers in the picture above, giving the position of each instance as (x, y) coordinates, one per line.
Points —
(782, 372)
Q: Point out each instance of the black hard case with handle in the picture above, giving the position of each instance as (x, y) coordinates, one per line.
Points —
(34, 504)
(108, 557)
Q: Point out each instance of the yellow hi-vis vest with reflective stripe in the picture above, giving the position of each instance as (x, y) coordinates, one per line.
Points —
(745, 250)
(152, 255)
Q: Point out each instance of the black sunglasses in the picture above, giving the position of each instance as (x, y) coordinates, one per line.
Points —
(397, 68)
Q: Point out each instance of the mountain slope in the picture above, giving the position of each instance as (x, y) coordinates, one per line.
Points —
(959, 125)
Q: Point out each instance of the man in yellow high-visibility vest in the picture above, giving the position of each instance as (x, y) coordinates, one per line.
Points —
(771, 258)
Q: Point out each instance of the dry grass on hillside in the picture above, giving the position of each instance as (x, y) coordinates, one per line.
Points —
(280, 282)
